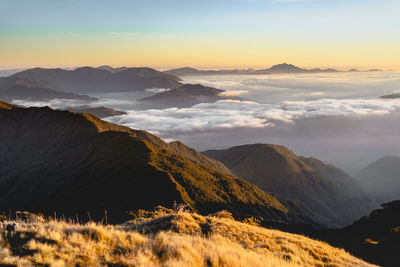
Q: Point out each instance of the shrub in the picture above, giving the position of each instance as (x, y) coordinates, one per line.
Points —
(252, 221)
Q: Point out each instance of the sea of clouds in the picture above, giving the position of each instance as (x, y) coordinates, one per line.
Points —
(337, 117)
(229, 114)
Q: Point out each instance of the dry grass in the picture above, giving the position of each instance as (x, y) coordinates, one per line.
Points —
(163, 238)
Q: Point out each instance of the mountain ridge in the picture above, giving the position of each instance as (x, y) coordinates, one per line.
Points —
(75, 163)
(99, 80)
(275, 69)
(331, 194)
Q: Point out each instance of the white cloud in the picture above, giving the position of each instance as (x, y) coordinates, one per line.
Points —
(317, 93)
(200, 118)
(229, 114)
(234, 93)
(156, 90)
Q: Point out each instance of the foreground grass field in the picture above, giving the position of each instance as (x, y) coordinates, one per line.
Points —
(162, 238)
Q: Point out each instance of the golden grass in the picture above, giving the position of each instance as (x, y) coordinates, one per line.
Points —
(164, 238)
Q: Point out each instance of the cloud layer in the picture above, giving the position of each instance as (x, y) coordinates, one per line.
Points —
(229, 114)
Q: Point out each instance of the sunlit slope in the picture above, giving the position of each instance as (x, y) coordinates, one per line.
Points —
(165, 239)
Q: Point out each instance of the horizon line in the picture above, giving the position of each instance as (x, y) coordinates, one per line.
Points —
(205, 68)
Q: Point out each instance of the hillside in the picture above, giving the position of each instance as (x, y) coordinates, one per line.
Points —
(186, 96)
(101, 112)
(334, 197)
(165, 238)
(97, 80)
(33, 90)
(375, 238)
(72, 163)
(382, 178)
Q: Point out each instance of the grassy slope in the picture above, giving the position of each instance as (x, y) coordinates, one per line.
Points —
(167, 238)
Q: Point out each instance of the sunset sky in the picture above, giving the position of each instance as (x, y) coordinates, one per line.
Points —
(200, 33)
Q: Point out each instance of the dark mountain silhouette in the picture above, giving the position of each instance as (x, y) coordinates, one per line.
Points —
(74, 163)
(13, 88)
(382, 178)
(96, 80)
(375, 238)
(280, 68)
(101, 112)
(391, 96)
(333, 196)
(286, 68)
(185, 96)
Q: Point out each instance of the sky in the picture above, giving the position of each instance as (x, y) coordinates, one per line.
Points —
(200, 33)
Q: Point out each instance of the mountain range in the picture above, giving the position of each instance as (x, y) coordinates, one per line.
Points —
(276, 69)
(41, 84)
(89, 80)
(334, 197)
(64, 163)
(75, 164)
(186, 96)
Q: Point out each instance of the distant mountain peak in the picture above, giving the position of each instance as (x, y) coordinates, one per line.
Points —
(284, 65)
(286, 68)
